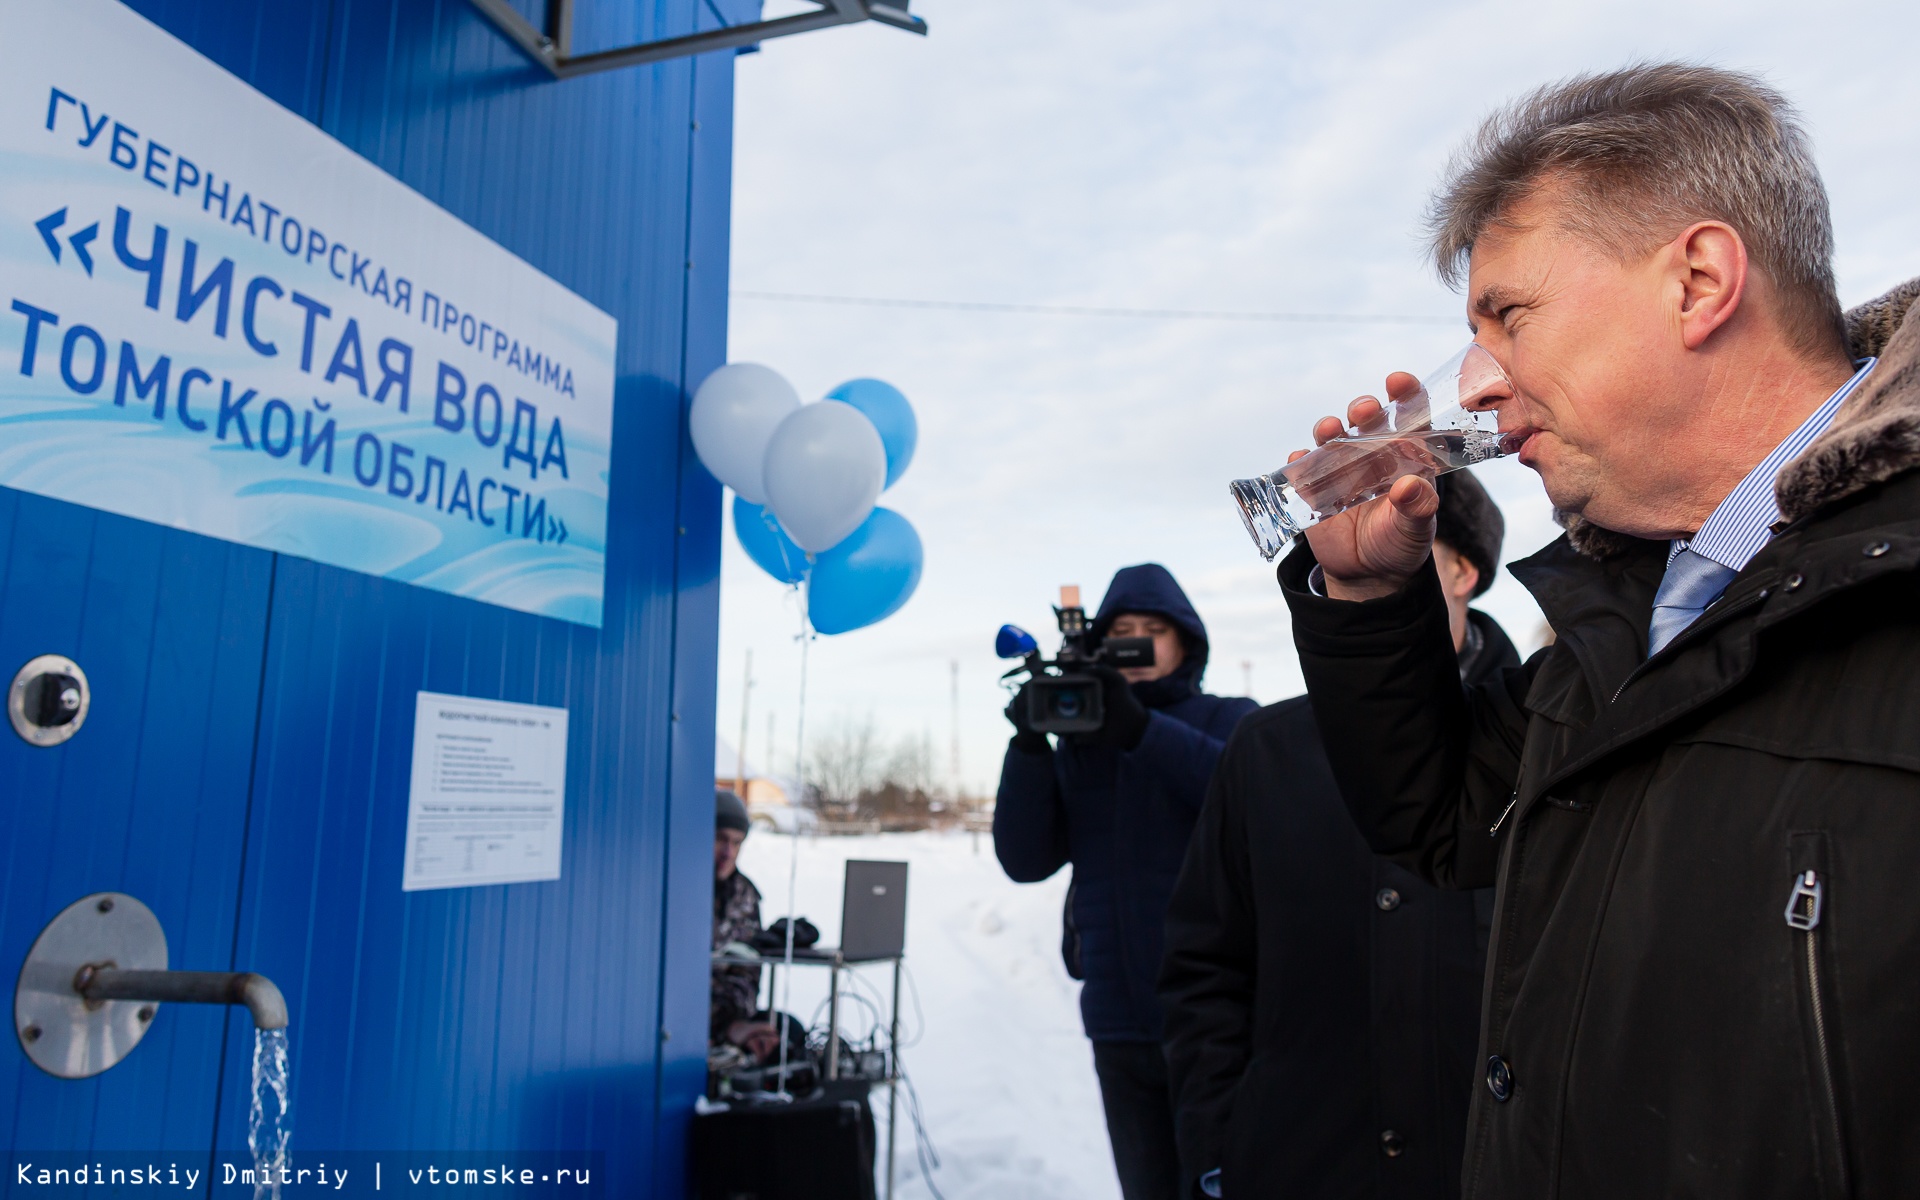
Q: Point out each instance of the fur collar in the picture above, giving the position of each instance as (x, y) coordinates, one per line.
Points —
(1875, 437)
(1877, 434)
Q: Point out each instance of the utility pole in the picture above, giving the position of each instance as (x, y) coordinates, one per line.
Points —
(953, 745)
(740, 751)
(1246, 675)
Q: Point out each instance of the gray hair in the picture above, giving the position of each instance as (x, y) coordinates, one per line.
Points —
(1644, 152)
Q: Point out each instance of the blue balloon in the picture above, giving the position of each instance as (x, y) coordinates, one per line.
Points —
(891, 415)
(867, 577)
(766, 543)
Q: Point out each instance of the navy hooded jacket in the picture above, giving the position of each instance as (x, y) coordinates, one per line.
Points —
(1121, 818)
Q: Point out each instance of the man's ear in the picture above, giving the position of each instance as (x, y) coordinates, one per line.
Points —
(1710, 263)
(1466, 576)
(1458, 574)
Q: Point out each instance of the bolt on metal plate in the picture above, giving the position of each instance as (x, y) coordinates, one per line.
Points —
(63, 1032)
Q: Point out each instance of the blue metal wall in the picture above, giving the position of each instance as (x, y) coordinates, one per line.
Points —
(246, 764)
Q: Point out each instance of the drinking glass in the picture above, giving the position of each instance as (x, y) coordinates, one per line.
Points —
(1445, 425)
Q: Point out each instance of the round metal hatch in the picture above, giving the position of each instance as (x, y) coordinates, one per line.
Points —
(48, 700)
(63, 1032)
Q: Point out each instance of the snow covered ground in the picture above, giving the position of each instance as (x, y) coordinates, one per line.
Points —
(990, 1026)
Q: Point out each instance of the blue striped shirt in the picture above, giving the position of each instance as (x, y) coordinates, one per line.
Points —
(1743, 523)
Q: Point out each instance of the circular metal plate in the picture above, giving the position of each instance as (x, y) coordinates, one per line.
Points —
(17, 699)
(61, 1031)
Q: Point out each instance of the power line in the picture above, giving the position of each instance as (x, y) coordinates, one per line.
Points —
(1083, 310)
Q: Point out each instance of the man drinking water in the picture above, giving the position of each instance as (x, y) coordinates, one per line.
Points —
(1702, 804)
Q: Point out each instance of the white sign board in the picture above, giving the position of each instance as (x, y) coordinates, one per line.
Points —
(489, 792)
(216, 317)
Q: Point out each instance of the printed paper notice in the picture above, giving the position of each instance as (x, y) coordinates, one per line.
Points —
(489, 793)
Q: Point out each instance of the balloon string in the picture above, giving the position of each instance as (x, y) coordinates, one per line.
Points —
(793, 858)
(781, 540)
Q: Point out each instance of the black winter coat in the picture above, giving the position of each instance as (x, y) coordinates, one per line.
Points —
(1705, 978)
(1322, 1002)
(1121, 818)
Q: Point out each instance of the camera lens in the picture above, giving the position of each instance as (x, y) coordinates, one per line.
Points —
(1068, 704)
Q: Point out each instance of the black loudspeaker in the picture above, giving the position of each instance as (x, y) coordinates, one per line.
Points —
(814, 1149)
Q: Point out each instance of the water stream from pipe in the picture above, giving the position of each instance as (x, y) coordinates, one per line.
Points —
(267, 1125)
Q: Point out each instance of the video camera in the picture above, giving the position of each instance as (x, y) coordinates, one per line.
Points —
(1065, 696)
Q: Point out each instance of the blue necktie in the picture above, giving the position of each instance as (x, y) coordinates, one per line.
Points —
(1692, 582)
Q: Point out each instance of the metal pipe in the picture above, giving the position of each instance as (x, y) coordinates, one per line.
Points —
(833, 1017)
(893, 1076)
(704, 42)
(553, 49)
(258, 993)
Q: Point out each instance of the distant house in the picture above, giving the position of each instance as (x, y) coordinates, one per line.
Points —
(768, 796)
(765, 790)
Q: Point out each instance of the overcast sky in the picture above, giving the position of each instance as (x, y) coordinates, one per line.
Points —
(1266, 158)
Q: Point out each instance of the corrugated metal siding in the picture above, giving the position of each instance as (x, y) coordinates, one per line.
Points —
(150, 798)
(535, 1016)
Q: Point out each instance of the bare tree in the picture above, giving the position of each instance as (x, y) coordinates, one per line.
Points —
(859, 776)
(845, 761)
(910, 765)
(903, 797)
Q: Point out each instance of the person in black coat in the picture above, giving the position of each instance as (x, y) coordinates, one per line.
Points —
(1701, 805)
(1119, 805)
(1321, 1001)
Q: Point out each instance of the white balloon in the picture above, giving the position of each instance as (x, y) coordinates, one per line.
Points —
(824, 470)
(734, 413)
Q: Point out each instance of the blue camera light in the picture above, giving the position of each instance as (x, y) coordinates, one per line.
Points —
(1014, 642)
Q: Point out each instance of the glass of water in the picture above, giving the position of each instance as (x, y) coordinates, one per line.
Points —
(1448, 423)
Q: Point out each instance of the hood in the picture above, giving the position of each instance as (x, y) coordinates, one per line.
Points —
(1150, 588)
(1875, 437)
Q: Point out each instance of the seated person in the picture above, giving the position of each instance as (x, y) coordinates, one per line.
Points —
(734, 1018)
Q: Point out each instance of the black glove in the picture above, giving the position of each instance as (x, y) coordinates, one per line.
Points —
(773, 939)
(1126, 719)
(1026, 738)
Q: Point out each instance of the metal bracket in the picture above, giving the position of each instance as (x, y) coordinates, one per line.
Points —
(95, 979)
(65, 1032)
(553, 49)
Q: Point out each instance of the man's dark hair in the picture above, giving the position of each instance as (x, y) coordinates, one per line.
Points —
(1469, 522)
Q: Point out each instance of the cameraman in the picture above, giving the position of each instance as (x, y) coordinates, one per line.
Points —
(1119, 804)
(1322, 1002)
